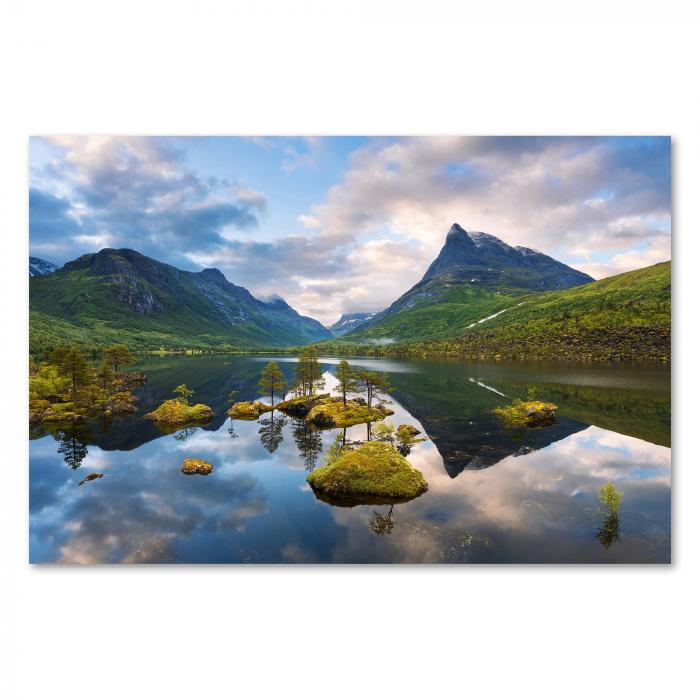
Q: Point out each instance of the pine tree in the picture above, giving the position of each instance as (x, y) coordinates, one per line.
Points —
(183, 393)
(271, 380)
(347, 379)
(75, 368)
(105, 377)
(372, 383)
(118, 355)
(308, 376)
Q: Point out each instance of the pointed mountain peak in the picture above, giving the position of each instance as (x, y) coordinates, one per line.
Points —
(455, 231)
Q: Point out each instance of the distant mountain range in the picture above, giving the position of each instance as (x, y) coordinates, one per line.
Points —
(474, 276)
(349, 322)
(479, 297)
(39, 267)
(122, 295)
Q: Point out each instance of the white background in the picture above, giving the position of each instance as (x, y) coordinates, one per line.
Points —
(333, 68)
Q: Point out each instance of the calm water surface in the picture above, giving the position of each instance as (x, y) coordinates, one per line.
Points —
(495, 495)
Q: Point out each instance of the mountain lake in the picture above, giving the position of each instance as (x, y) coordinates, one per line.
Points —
(495, 494)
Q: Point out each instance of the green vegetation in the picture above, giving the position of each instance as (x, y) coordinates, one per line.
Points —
(178, 413)
(196, 466)
(625, 317)
(609, 530)
(347, 380)
(66, 389)
(610, 497)
(444, 316)
(248, 410)
(533, 414)
(118, 355)
(183, 393)
(118, 296)
(332, 413)
(271, 380)
(371, 383)
(406, 438)
(383, 431)
(374, 472)
(308, 378)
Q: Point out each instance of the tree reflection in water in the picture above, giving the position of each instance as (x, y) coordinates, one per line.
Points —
(382, 524)
(609, 531)
(309, 442)
(73, 444)
(185, 433)
(270, 431)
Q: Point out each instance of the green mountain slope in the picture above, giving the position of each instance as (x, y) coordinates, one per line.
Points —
(450, 312)
(121, 295)
(474, 276)
(625, 317)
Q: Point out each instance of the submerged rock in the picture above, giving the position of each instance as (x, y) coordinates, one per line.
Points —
(300, 406)
(374, 473)
(533, 414)
(172, 413)
(196, 466)
(248, 410)
(331, 413)
(91, 477)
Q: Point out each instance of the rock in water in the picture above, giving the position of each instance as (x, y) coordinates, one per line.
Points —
(374, 473)
(248, 410)
(196, 466)
(300, 406)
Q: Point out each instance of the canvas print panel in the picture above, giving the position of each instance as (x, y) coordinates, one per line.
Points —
(350, 349)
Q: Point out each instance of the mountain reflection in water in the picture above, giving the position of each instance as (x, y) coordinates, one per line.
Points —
(495, 494)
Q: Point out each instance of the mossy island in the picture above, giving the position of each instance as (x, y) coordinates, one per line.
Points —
(333, 413)
(66, 389)
(196, 466)
(248, 410)
(372, 474)
(178, 413)
(300, 406)
(530, 414)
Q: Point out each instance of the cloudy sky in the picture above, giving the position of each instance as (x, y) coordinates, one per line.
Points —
(343, 224)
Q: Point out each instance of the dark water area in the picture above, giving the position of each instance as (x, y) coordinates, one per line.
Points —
(495, 494)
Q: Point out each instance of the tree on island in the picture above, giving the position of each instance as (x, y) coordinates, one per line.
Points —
(105, 377)
(118, 355)
(183, 394)
(347, 379)
(308, 375)
(74, 366)
(372, 383)
(271, 380)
